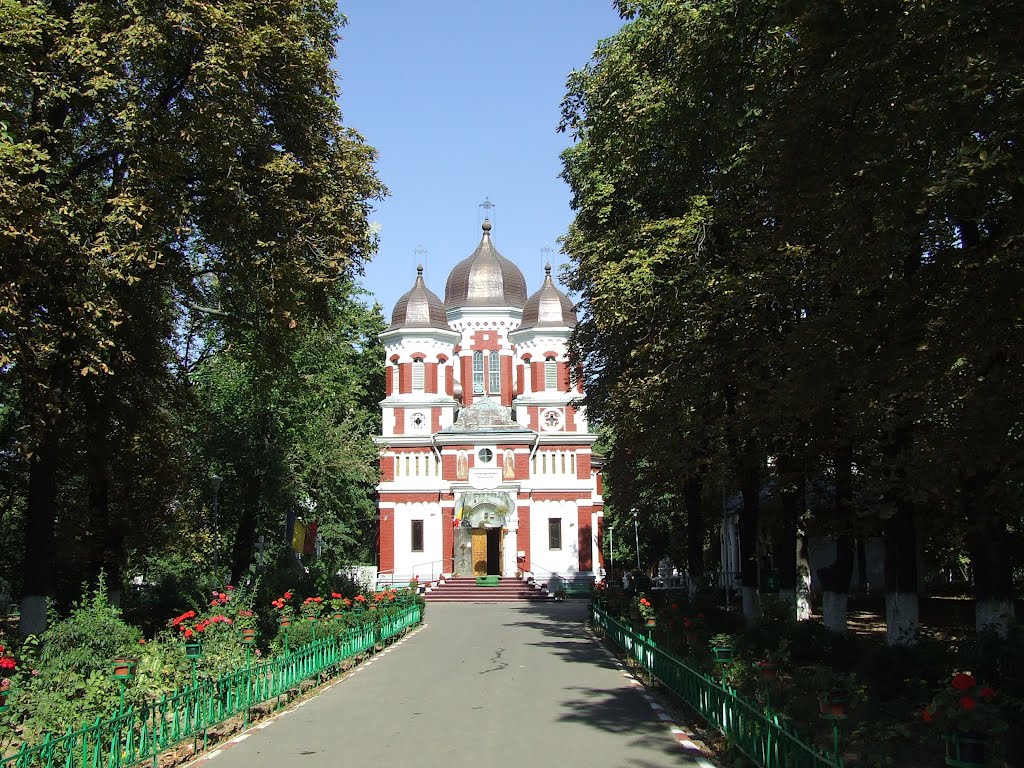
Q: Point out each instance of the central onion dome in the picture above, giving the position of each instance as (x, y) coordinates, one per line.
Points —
(485, 279)
(419, 308)
(548, 307)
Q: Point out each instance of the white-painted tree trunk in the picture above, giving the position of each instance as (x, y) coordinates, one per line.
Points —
(33, 615)
(834, 610)
(803, 583)
(993, 616)
(901, 618)
(750, 606)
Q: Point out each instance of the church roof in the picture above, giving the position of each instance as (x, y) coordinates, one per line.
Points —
(419, 308)
(484, 415)
(548, 307)
(485, 279)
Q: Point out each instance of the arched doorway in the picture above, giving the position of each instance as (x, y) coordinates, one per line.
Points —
(479, 540)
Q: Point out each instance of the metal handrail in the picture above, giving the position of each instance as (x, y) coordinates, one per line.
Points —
(757, 732)
(142, 733)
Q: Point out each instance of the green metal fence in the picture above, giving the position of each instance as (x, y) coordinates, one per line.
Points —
(761, 736)
(142, 733)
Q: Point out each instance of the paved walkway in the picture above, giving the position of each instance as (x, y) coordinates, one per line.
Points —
(480, 686)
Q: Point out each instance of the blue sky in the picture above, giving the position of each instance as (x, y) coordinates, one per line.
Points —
(462, 99)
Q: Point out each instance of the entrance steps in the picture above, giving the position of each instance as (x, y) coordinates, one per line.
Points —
(463, 589)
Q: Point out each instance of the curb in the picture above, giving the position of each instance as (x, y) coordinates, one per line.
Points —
(694, 748)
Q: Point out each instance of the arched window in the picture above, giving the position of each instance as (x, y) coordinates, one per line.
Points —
(494, 373)
(417, 374)
(478, 373)
(550, 373)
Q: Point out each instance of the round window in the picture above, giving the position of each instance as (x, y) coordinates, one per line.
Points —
(485, 455)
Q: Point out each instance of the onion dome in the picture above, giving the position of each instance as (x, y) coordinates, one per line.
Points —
(548, 307)
(419, 308)
(485, 279)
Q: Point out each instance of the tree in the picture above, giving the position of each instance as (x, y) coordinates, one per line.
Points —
(176, 152)
(784, 214)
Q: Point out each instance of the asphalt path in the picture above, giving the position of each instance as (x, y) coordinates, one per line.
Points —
(480, 686)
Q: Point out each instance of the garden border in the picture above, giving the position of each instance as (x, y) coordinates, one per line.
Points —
(143, 733)
(763, 738)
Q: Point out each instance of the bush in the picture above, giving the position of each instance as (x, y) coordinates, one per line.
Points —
(65, 677)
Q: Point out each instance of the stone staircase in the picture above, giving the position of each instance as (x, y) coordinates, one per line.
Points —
(466, 590)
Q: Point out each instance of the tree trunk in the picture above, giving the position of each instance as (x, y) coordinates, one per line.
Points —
(786, 557)
(748, 542)
(990, 559)
(692, 489)
(901, 584)
(803, 585)
(835, 578)
(39, 536)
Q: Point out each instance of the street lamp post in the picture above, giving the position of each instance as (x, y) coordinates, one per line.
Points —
(636, 532)
(611, 548)
(215, 481)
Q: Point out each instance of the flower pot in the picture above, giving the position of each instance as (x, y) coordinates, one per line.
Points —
(248, 636)
(722, 653)
(965, 748)
(124, 669)
(338, 616)
(833, 705)
(3, 701)
(285, 622)
(193, 650)
(651, 622)
(768, 670)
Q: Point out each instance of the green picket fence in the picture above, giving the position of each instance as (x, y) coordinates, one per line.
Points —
(142, 733)
(761, 736)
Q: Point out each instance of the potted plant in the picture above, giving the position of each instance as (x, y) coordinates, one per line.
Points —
(285, 611)
(311, 607)
(692, 627)
(646, 611)
(338, 604)
(245, 621)
(774, 659)
(837, 693)
(967, 712)
(722, 645)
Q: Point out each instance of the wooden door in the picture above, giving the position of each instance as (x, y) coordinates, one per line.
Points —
(479, 552)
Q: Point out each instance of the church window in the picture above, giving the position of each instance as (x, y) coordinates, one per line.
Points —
(485, 455)
(494, 373)
(554, 533)
(417, 375)
(417, 535)
(478, 373)
(550, 373)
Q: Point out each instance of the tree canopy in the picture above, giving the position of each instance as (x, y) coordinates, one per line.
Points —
(798, 228)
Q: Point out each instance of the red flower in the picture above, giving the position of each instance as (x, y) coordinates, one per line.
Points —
(687, 623)
(288, 595)
(987, 693)
(967, 703)
(336, 595)
(927, 716)
(962, 681)
(142, 641)
(188, 632)
(7, 663)
(229, 588)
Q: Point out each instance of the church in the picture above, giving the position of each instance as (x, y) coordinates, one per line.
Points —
(487, 464)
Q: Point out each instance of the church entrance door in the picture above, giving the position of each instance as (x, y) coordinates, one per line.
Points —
(494, 552)
(487, 551)
(479, 551)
